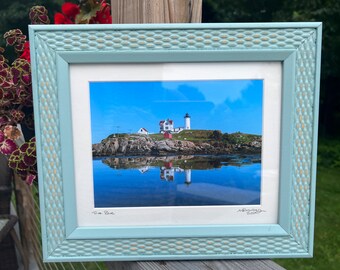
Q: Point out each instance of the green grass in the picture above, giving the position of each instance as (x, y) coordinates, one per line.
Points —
(188, 135)
(193, 135)
(327, 221)
(208, 136)
(157, 137)
(240, 138)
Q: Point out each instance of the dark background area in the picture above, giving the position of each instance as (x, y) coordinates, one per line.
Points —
(14, 14)
(326, 11)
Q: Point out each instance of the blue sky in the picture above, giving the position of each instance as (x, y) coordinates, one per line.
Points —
(226, 105)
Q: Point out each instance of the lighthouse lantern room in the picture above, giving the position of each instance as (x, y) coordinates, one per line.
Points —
(187, 121)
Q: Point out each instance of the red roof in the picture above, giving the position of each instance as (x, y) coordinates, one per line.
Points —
(163, 121)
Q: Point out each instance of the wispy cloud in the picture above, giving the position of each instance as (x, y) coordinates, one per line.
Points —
(183, 101)
(217, 94)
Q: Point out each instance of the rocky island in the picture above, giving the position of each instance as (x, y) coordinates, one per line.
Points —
(187, 142)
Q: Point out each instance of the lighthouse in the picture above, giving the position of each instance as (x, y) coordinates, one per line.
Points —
(187, 177)
(187, 121)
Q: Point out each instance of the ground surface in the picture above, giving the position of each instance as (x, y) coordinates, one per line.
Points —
(327, 221)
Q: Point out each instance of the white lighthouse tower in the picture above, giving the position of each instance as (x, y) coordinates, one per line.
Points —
(187, 121)
(187, 177)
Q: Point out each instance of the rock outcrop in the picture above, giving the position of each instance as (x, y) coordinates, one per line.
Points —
(199, 162)
(136, 145)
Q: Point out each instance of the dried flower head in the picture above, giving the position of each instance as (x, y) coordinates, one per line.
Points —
(7, 146)
(12, 132)
(23, 161)
(16, 115)
(21, 71)
(16, 39)
(39, 15)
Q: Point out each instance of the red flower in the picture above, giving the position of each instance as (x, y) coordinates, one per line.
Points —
(26, 53)
(103, 16)
(68, 15)
(60, 18)
(70, 10)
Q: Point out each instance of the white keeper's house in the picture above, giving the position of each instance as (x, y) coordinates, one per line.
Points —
(143, 131)
(169, 126)
(166, 125)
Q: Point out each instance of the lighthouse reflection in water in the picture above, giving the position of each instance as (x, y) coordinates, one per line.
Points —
(177, 181)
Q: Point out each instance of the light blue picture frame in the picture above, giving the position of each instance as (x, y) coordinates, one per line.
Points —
(55, 48)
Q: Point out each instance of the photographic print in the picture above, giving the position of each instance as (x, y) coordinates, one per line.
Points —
(176, 143)
(203, 135)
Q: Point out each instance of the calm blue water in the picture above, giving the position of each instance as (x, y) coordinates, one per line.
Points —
(172, 186)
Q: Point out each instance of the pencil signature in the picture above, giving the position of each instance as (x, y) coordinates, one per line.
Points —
(104, 213)
(251, 211)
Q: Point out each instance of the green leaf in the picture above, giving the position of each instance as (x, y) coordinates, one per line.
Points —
(85, 16)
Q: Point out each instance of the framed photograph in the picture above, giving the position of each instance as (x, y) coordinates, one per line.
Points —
(178, 141)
